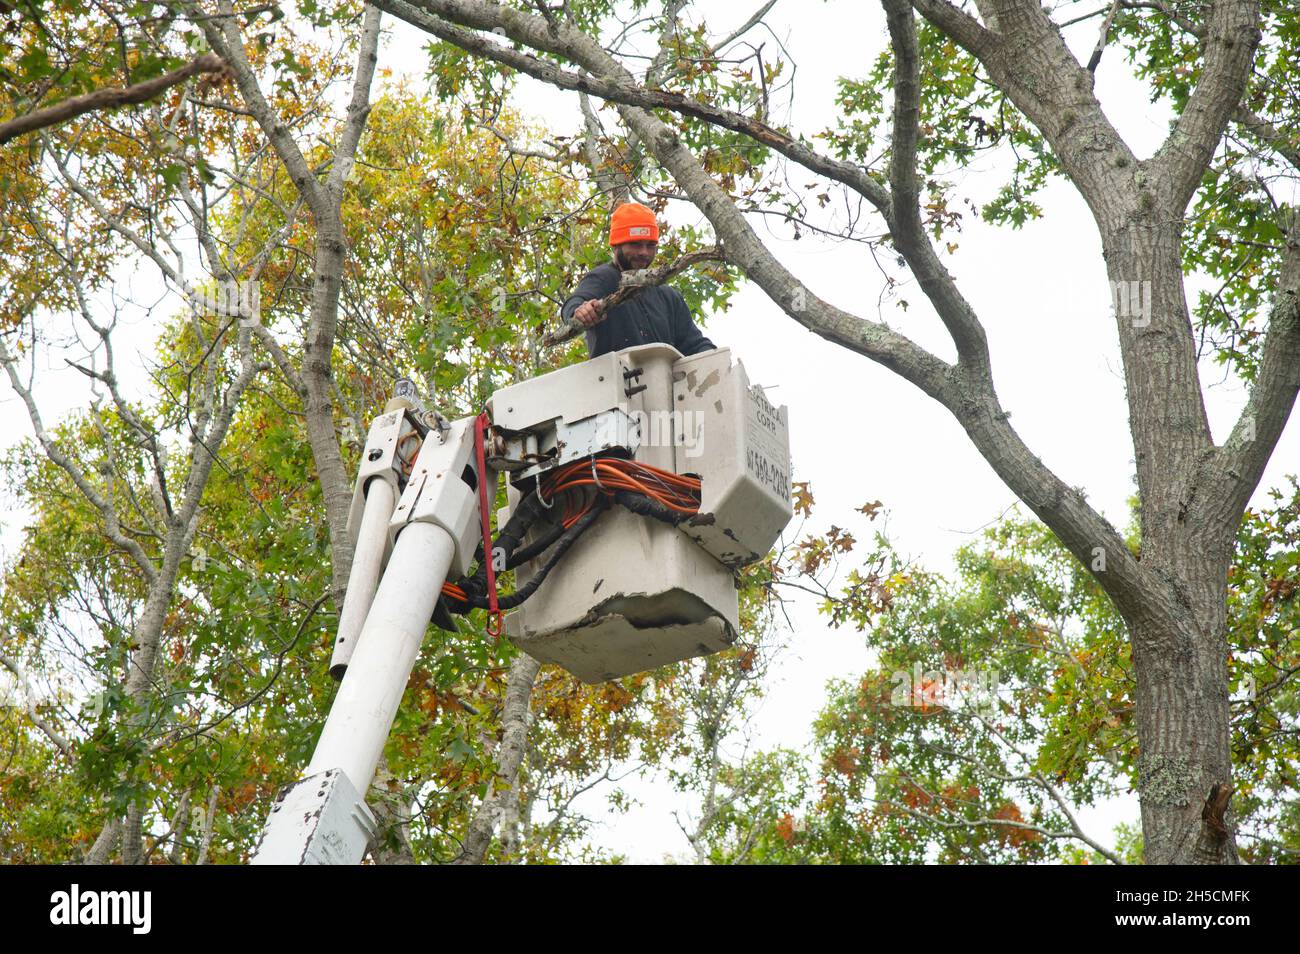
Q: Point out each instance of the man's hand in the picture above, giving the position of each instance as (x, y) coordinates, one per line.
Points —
(590, 313)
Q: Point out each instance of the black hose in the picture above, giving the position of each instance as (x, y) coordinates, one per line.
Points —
(526, 514)
(512, 534)
(478, 600)
(640, 504)
(508, 538)
(538, 546)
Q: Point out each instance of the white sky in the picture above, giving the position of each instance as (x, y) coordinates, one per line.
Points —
(858, 432)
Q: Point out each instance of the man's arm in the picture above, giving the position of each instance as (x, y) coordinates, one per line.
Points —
(595, 284)
(687, 337)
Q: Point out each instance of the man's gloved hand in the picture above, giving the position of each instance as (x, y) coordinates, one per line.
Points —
(589, 313)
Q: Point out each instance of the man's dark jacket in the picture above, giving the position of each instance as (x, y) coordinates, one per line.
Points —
(657, 313)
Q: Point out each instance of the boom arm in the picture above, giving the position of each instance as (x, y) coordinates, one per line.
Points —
(323, 819)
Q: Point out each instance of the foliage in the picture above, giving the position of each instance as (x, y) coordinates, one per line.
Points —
(460, 251)
(1005, 695)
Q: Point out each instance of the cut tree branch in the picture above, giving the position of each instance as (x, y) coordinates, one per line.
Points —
(632, 284)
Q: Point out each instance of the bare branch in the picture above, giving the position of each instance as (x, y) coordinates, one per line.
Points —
(1051, 790)
(108, 514)
(359, 106)
(1266, 132)
(611, 179)
(54, 735)
(908, 233)
(223, 36)
(745, 27)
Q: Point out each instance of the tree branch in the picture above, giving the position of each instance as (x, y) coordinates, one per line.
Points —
(969, 33)
(108, 515)
(621, 88)
(1268, 133)
(107, 98)
(1232, 33)
(1103, 37)
(744, 28)
(54, 735)
(1243, 456)
(104, 845)
(359, 106)
(632, 284)
(908, 233)
(743, 248)
(223, 36)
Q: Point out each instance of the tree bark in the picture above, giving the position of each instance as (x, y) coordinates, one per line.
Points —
(510, 756)
(392, 808)
(105, 844)
(1179, 652)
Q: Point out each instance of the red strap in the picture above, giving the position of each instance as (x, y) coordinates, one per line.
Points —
(494, 612)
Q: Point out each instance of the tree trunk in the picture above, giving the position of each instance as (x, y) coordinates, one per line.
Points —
(392, 808)
(502, 799)
(105, 844)
(1185, 767)
(1180, 650)
(318, 401)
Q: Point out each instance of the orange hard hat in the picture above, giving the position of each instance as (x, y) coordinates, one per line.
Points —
(632, 222)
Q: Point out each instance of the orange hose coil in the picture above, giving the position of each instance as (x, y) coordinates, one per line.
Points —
(576, 487)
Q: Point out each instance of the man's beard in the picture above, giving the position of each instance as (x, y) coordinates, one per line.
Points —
(624, 263)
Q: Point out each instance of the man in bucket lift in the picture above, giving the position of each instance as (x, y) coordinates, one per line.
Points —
(658, 313)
